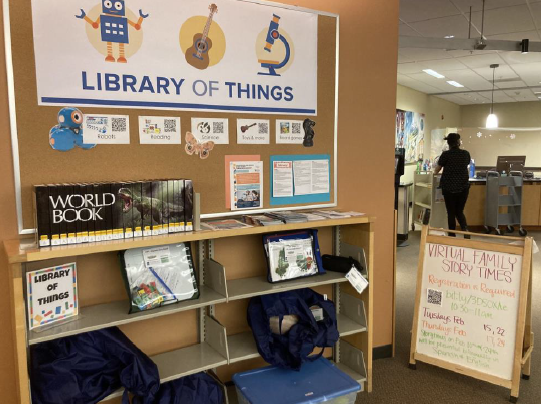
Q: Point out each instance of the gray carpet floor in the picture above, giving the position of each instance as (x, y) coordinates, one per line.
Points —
(394, 382)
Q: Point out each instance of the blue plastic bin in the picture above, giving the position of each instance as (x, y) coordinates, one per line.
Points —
(317, 382)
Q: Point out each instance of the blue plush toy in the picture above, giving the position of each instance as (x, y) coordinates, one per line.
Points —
(69, 132)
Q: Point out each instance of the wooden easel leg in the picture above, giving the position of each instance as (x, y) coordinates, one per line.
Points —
(528, 334)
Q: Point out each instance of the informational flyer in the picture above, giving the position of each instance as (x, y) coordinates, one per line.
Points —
(52, 294)
(253, 131)
(246, 182)
(282, 179)
(311, 177)
(106, 129)
(211, 129)
(159, 130)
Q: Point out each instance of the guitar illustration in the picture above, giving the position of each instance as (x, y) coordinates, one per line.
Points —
(246, 127)
(197, 55)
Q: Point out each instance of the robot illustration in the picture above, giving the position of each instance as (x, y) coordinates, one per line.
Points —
(114, 27)
(69, 132)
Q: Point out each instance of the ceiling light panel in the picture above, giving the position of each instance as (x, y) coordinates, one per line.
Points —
(455, 84)
(434, 73)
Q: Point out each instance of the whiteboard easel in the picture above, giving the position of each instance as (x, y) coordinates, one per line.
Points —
(523, 335)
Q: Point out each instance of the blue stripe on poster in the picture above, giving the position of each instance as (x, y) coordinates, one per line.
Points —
(174, 105)
(299, 199)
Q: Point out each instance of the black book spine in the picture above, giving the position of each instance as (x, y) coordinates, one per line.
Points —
(53, 219)
(180, 202)
(146, 210)
(127, 210)
(116, 211)
(188, 204)
(171, 208)
(163, 203)
(107, 200)
(91, 224)
(100, 218)
(155, 211)
(59, 213)
(41, 209)
(69, 214)
(137, 218)
(78, 202)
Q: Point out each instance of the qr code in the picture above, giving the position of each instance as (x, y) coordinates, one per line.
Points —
(263, 128)
(217, 127)
(434, 297)
(170, 125)
(118, 124)
(296, 128)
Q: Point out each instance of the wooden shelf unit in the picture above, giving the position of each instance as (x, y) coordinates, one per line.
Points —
(353, 353)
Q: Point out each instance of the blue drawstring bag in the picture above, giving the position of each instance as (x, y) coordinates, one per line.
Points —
(199, 388)
(86, 368)
(289, 350)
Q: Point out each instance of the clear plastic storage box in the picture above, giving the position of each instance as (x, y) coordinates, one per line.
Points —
(317, 382)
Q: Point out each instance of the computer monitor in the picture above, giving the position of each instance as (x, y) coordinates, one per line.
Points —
(510, 163)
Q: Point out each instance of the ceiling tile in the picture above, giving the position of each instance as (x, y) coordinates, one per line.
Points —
(516, 36)
(477, 61)
(530, 73)
(405, 30)
(463, 53)
(510, 84)
(504, 20)
(454, 99)
(464, 5)
(500, 96)
(536, 11)
(409, 68)
(422, 87)
(403, 59)
(518, 58)
(522, 95)
(419, 10)
(474, 98)
(443, 65)
(404, 80)
(469, 79)
(440, 84)
(440, 27)
(420, 54)
(502, 72)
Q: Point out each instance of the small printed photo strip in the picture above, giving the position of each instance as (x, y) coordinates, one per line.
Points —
(52, 295)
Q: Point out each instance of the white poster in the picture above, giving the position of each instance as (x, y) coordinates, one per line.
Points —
(106, 129)
(159, 130)
(469, 307)
(211, 129)
(52, 294)
(282, 179)
(253, 58)
(253, 131)
(246, 181)
(289, 132)
(311, 177)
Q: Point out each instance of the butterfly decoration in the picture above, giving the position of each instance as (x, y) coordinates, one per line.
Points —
(193, 146)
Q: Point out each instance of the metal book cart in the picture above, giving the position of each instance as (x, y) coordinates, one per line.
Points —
(503, 205)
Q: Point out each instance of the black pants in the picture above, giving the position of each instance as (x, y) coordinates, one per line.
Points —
(455, 203)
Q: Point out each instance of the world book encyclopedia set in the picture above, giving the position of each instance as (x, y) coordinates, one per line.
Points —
(89, 212)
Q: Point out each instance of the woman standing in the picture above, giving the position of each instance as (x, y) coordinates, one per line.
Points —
(454, 181)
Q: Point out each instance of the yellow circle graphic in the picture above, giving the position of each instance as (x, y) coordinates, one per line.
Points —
(94, 34)
(194, 26)
(278, 51)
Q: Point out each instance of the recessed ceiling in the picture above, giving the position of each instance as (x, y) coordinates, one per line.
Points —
(514, 20)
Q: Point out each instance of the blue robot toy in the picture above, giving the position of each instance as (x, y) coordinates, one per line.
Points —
(69, 132)
(114, 27)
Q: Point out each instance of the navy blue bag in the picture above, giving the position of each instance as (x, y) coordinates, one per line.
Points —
(86, 368)
(199, 388)
(293, 348)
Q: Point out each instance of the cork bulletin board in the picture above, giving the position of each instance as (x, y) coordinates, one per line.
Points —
(35, 162)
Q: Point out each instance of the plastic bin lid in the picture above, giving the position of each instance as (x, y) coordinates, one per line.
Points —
(316, 382)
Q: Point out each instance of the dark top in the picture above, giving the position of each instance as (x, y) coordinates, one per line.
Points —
(455, 177)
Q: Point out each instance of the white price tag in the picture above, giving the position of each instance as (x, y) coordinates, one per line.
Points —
(158, 256)
(357, 280)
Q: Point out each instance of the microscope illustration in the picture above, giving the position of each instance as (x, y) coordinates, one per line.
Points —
(273, 35)
(114, 27)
